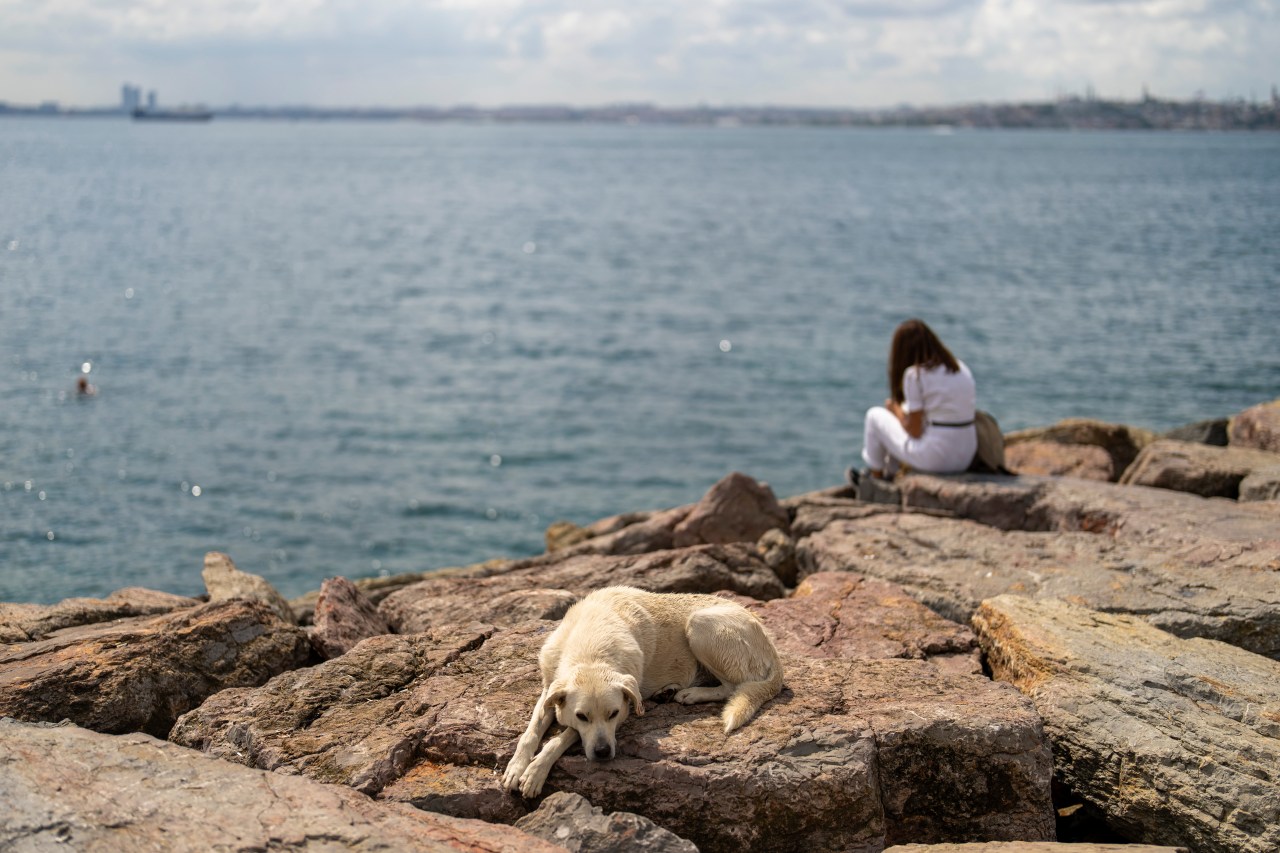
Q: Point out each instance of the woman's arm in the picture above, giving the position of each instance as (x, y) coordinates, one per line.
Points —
(912, 422)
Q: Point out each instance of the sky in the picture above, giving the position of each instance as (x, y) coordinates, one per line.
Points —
(821, 53)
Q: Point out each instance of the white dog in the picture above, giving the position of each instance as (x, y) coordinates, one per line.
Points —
(619, 646)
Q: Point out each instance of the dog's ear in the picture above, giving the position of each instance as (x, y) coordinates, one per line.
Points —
(555, 694)
(631, 687)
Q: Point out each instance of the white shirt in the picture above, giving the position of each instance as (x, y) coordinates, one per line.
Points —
(944, 397)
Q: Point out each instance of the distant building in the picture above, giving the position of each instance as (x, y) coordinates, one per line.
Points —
(151, 99)
(130, 97)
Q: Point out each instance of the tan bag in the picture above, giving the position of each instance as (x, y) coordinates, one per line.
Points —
(990, 456)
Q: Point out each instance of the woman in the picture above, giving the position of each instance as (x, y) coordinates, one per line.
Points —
(927, 423)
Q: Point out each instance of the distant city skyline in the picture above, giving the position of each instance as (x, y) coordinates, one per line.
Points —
(819, 53)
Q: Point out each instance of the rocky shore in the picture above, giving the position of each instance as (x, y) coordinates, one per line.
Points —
(1085, 651)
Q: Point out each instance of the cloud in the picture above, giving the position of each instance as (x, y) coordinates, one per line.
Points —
(848, 52)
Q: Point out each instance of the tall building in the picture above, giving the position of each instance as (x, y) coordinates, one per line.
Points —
(151, 99)
(130, 97)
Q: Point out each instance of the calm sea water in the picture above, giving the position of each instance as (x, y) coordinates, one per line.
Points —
(376, 348)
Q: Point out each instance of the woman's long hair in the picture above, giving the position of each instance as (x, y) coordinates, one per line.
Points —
(915, 345)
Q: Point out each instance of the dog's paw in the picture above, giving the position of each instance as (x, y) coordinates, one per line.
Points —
(531, 782)
(511, 779)
(694, 695)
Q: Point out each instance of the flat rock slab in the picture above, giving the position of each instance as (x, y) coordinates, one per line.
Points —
(66, 788)
(1175, 741)
(1191, 530)
(952, 565)
(140, 674)
(22, 623)
(1197, 468)
(851, 756)
(485, 593)
(851, 617)
(815, 511)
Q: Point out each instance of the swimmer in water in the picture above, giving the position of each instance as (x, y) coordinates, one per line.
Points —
(84, 389)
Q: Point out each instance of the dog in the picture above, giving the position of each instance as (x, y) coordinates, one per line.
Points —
(619, 646)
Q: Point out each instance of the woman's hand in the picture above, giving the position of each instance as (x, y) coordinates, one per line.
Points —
(912, 422)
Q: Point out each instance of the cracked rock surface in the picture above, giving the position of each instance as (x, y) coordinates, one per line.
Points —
(23, 623)
(1175, 741)
(140, 674)
(952, 565)
(66, 788)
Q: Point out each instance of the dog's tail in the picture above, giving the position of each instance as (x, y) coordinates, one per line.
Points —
(748, 696)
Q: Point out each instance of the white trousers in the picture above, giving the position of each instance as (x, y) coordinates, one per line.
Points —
(940, 450)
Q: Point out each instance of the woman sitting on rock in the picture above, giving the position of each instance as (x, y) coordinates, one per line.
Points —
(927, 423)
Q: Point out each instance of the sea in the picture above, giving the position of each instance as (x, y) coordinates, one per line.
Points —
(364, 348)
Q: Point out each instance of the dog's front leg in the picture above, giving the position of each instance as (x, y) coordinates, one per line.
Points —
(527, 746)
(536, 773)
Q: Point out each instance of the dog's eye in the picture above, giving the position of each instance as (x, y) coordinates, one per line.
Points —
(582, 716)
(614, 714)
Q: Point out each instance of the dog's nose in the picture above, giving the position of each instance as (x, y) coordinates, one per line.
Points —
(603, 752)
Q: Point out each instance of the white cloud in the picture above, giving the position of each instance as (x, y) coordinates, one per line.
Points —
(848, 52)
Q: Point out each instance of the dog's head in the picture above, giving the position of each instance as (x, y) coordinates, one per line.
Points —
(594, 700)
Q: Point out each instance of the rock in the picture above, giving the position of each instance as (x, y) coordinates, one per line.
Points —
(564, 534)
(139, 674)
(343, 617)
(22, 623)
(375, 589)
(487, 594)
(813, 513)
(1201, 432)
(1054, 459)
(850, 617)
(571, 821)
(1261, 485)
(779, 553)
(1190, 530)
(1257, 427)
(1197, 468)
(224, 582)
(952, 565)
(1175, 741)
(1003, 502)
(632, 533)
(1032, 847)
(1121, 442)
(65, 788)
(851, 755)
(492, 601)
(736, 509)
(877, 491)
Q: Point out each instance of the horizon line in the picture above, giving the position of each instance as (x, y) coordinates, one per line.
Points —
(703, 106)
